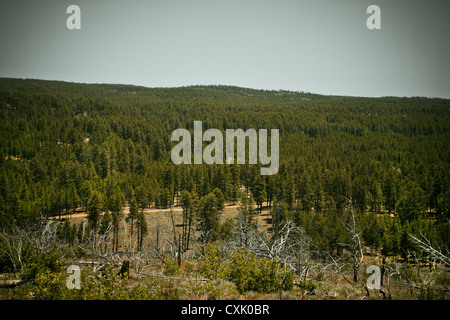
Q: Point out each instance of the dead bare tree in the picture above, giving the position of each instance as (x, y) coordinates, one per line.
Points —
(434, 255)
(245, 233)
(41, 237)
(389, 270)
(177, 241)
(159, 248)
(47, 238)
(355, 246)
(427, 282)
(290, 245)
(127, 241)
(12, 248)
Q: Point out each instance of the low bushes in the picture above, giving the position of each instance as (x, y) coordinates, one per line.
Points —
(246, 270)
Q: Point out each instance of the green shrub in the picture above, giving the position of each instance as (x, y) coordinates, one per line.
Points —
(306, 286)
(109, 286)
(249, 272)
(213, 263)
(36, 261)
(171, 268)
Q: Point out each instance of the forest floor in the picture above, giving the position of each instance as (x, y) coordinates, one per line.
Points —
(156, 216)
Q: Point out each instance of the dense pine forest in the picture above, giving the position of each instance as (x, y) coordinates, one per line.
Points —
(371, 169)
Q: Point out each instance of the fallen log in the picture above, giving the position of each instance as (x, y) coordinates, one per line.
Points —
(10, 283)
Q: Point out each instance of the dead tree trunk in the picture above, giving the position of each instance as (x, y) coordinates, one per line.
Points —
(125, 269)
(355, 247)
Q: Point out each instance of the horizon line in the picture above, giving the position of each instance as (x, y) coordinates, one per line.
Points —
(224, 85)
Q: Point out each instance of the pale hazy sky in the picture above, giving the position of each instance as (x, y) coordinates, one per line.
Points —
(319, 46)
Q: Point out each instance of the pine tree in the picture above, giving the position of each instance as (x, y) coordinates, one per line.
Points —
(411, 203)
(142, 227)
(132, 215)
(259, 191)
(95, 205)
(189, 203)
(115, 204)
(85, 193)
(208, 216)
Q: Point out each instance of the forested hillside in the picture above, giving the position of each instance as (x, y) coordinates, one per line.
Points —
(69, 147)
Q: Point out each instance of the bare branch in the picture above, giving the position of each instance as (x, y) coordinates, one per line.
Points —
(426, 246)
